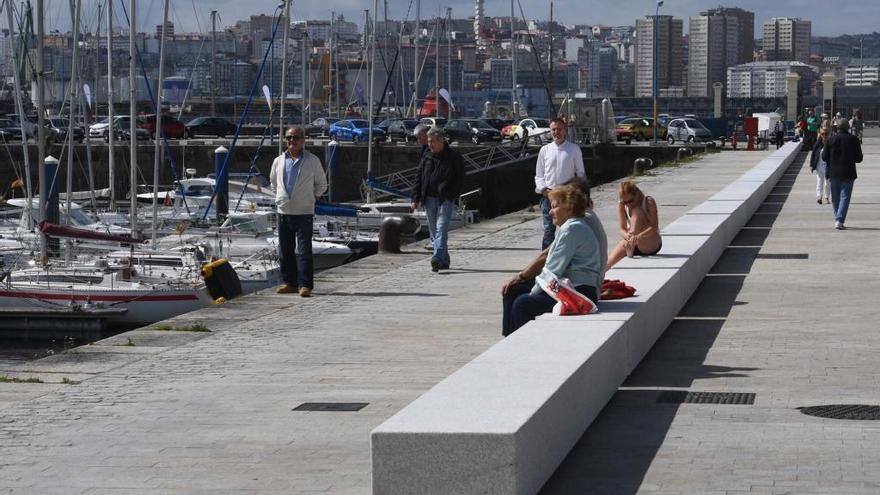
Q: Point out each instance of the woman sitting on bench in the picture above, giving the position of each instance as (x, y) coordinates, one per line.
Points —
(639, 225)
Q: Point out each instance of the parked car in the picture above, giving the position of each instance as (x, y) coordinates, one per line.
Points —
(123, 132)
(209, 126)
(533, 127)
(320, 126)
(474, 130)
(689, 130)
(355, 130)
(642, 128)
(57, 127)
(624, 133)
(402, 129)
(102, 128)
(30, 127)
(171, 127)
(9, 131)
(509, 131)
(498, 124)
(433, 122)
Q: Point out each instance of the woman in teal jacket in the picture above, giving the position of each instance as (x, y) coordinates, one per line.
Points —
(574, 254)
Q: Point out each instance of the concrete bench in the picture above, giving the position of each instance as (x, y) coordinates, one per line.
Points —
(503, 422)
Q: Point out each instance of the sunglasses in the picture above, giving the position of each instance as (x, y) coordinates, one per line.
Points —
(293, 138)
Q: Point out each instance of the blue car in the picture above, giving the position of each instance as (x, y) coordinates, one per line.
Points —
(356, 131)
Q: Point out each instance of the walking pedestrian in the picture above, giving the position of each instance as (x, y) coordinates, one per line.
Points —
(558, 162)
(438, 185)
(297, 178)
(857, 125)
(812, 128)
(820, 168)
(841, 154)
(421, 134)
(779, 133)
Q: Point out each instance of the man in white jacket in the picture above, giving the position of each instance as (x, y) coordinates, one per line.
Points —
(297, 179)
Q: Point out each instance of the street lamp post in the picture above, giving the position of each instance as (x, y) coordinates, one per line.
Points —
(654, 71)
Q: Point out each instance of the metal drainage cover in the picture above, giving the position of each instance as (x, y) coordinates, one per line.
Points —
(843, 411)
(728, 398)
(783, 256)
(331, 406)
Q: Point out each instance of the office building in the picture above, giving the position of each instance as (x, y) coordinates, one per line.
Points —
(713, 47)
(767, 79)
(863, 72)
(669, 51)
(787, 38)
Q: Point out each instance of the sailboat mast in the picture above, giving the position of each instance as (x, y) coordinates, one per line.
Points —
(132, 113)
(286, 17)
(448, 61)
(370, 99)
(74, 100)
(110, 135)
(157, 149)
(213, 63)
(19, 106)
(416, 33)
(437, 68)
(513, 99)
(41, 129)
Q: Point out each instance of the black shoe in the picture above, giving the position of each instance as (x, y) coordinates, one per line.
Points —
(435, 265)
(444, 266)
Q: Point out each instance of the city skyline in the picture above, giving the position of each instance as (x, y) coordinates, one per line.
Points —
(849, 17)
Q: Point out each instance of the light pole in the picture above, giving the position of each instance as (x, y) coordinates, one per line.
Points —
(654, 71)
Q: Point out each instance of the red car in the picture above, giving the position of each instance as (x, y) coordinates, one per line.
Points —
(171, 127)
(624, 134)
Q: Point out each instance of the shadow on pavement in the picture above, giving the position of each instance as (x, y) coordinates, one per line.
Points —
(615, 453)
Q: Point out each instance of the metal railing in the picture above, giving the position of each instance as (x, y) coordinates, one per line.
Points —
(477, 161)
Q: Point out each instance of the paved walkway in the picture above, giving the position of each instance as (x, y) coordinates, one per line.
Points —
(795, 332)
(174, 412)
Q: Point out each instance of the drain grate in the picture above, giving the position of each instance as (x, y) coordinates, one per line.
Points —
(843, 411)
(728, 398)
(783, 256)
(331, 406)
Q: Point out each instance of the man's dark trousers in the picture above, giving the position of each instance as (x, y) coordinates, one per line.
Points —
(295, 250)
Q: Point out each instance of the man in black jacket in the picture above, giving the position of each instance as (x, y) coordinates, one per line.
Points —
(842, 153)
(439, 184)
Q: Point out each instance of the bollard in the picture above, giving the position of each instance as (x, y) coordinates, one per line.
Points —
(332, 158)
(389, 235)
(733, 140)
(682, 151)
(49, 190)
(642, 164)
(221, 184)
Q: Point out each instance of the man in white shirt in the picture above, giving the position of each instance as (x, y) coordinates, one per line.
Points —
(297, 179)
(558, 162)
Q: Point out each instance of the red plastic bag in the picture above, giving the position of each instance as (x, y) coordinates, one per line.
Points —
(616, 289)
(568, 300)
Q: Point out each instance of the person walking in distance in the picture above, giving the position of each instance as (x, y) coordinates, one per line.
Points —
(438, 185)
(857, 125)
(820, 168)
(779, 133)
(841, 154)
(558, 162)
(812, 128)
(297, 178)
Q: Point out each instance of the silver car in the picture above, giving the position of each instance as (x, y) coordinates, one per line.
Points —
(687, 130)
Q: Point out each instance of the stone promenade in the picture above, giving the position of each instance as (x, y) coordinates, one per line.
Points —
(155, 411)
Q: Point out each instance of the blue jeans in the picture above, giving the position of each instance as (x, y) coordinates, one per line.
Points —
(439, 215)
(295, 250)
(549, 228)
(841, 194)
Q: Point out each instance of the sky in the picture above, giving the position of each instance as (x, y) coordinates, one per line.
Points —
(846, 16)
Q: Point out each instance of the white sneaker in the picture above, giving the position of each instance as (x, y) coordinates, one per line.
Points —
(839, 226)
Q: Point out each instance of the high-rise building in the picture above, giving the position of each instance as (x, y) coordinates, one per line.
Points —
(714, 45)
(787, 38)
(479, 24)
(669, 54)
(767, 79)
(745, 52)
